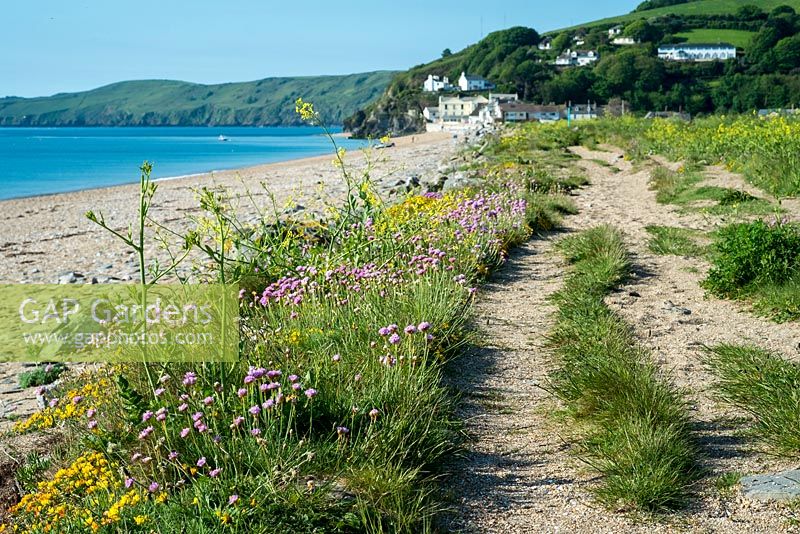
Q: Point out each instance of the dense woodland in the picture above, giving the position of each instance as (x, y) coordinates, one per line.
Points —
(766, 75)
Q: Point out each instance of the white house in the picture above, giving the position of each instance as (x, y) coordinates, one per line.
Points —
(434, 84)
(588, 111)
(458, 109)
(545, 44)
(697, 52)
(431, 113)
(623, 41)
(474, 83)
(578, 58)
(522, 112)
(614, 31)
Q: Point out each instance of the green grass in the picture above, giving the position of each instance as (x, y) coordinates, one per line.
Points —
(669, 240)
(167, 102)
(702, 7)
(636, 430)
(765, 386)
(738, 38)
(683, 189)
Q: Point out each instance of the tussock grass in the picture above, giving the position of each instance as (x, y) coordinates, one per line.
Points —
(635, 423)
(765, 386)
(670, 240)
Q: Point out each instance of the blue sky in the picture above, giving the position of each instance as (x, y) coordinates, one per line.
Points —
(51, 46)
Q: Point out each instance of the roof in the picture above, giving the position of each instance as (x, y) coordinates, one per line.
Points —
(529, 108)
(694, 46)
(474, 78)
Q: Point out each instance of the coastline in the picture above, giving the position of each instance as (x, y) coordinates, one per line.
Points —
(45, 235)
(47, 239)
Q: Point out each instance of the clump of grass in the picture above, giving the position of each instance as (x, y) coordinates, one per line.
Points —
(41, 375)
(765, 386)
(637, 432)
(759, 261)
(670, 240)
(726, 482)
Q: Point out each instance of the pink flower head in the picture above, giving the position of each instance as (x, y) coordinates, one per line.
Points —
(173, 455)
(185, 432)
(232, 499)
(311, 393)
(255, 431)
(189, 379)
(255, 409)
(90, 412)
(242, 392)
(129, 482)
(146, 416)
(208, 401)
(337, 358)
(159, 392)
(423, 326)
(201, 462)
(183, 407)
(153, 487)
(215, 472)
(410, 329)
(394, 339)
(146, 432)
(91, 425)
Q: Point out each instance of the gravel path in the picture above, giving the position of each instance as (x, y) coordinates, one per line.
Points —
(521, 473)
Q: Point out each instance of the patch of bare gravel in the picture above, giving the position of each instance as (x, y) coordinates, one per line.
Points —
(519, 474)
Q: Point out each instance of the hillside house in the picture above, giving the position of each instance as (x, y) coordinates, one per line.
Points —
(431, 113)
(458, 109)
(577, 58)
(582, 112)
(522, 112)
(434, 84)
(614, 31)
(490, 113)
(468, 82)
(624, 41)
(697, 52)
(545, 44)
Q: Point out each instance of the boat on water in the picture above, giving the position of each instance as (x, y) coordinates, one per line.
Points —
(222, 138)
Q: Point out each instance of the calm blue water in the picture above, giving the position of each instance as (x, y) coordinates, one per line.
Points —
(36, 161)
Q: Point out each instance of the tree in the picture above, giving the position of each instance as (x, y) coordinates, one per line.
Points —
(561, 42)
(641, 30)
(447, 52)
(749, 12)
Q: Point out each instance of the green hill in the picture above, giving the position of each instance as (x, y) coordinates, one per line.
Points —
(173, 103)
(696, 7)
(766, 73)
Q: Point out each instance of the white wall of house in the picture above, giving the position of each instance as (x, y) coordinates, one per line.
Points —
(434, 84)
(697, 52)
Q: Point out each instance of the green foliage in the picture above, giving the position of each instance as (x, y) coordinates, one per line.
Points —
(753, 254)
(41, 375)
(636, 424)
(668, 240)
(655, 4)
(171, 103)
(765, 386)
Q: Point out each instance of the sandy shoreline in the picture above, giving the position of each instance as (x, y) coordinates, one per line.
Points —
(44, 236)
(47, 238)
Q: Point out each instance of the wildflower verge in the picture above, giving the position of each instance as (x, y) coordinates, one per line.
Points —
(333, 418)
(634, 423)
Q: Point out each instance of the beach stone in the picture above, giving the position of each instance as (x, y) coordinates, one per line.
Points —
(70, 277)
(783, 486)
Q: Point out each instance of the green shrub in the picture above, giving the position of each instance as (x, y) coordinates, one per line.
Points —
(753, 254)
(41, 375)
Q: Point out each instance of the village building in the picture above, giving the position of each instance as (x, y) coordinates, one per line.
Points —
(522, 112)
(577, 58)
(474, 83)
(624, 41)
(431, 113)
(697, 52)
(434, 84)
(614, 31)
(588, 111)
(457, 109)
(545, 44)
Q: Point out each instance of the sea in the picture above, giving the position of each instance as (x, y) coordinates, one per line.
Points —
(38, 161)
